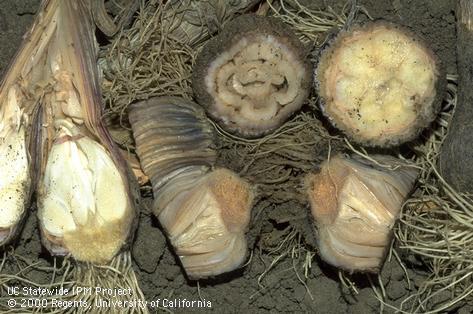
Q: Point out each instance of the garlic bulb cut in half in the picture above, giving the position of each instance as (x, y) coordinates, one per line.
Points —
(204, 211)
(379, 84)
(253, 76)
(355, 204)
(15, 167)
(83, 200)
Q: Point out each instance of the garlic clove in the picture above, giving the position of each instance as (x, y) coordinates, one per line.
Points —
(82, 200)
(355, 204)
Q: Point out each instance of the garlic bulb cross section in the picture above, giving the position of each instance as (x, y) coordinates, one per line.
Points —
(379, 84)
(255, 79)
(252, 76)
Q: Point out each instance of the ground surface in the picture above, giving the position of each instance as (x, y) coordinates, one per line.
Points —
(280, 290)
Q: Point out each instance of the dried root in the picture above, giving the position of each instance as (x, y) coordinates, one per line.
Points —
(71, 287)
(436, 226)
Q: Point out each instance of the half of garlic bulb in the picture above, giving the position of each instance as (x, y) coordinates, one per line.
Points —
(204, 211)
(20, 91)
(355, 204)
(15, 166)
(86, 197)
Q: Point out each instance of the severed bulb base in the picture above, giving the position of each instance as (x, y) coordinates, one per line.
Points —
(204, 211)
(355, 204)
(207, 223)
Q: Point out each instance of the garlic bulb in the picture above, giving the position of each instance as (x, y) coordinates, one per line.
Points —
(253, 76)
(379, 84)
(20, 91)
(205, 212)
(355, 204)
(52, 138)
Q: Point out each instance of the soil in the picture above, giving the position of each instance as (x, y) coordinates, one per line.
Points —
(284, 288)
